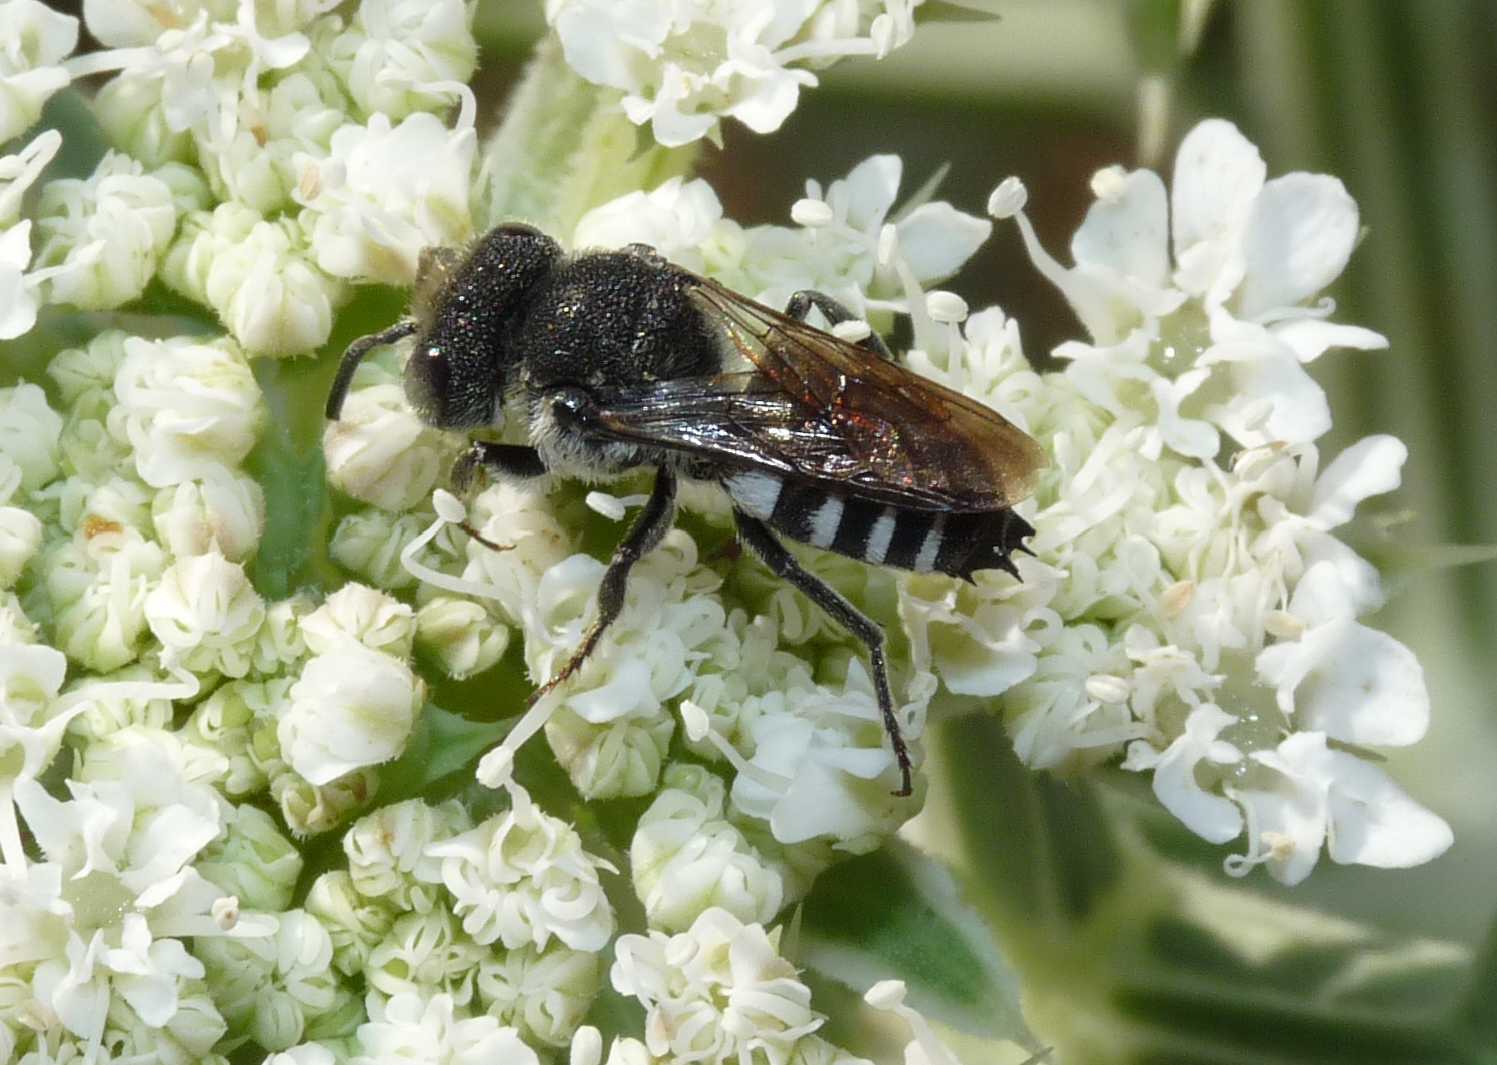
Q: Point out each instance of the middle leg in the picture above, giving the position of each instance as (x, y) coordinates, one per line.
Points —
(802, 301)
(648, 530)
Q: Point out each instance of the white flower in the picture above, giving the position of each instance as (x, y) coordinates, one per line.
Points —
(355, 924)
(1247, 257)
(426, 953)
(379, 452)
(187, 408)
(253, 861)
(1321, 796)
(20, 537)
(1176, 785)
(385, 193)
(522, 877)
(29, 432)
(351, 707)
(409, 1029)
(1340, 678)
(221, 511)
(719, 992)
(106, 232)
(388, 856)
(369, 541)
(206, 615)
(364, 615)
(684, 65)
(675, 218)
(821, 767)
(272, 987)
(399, 56)
(117, 854)
(459, 635)
(544, 994)
(33, 41)
(19, 298)
(259, 277)
(686, 858)
(100, 602)
(250, 159)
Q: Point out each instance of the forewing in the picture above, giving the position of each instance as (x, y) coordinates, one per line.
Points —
(879, 426)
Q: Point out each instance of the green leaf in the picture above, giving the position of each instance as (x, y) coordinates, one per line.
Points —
(899, 913)
(1127, 956)
(444, 743)
(948, 11)
(288, 464)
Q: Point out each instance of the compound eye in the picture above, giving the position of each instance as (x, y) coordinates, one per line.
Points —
(428, 383)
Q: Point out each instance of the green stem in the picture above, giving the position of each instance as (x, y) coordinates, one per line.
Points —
(565, 147)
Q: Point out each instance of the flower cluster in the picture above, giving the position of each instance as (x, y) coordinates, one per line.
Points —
(172, 733)
(683, 65)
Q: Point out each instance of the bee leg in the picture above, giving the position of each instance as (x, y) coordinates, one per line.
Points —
(782, 564)
(801, 303)
(510, 462)
(653, 522)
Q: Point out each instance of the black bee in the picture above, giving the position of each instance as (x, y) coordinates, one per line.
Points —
(619, 359)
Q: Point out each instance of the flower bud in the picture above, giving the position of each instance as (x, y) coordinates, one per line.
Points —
(460, 635)
(206, 614)
(351, 707)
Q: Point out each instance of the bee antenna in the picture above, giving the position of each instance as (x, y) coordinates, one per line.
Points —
(354, 355)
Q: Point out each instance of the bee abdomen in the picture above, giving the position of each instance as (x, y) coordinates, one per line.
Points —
(925, 541)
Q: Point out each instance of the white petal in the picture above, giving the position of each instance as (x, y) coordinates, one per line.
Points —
(1291, 825)
(1276, 401)
(1218, 172)
(1309, 338)
(1211, 817)
(1365, 687)
(1125, 230)
(1374, 822)
(1370, 467)
(1299, 237)
(871, 188)
(936, 239)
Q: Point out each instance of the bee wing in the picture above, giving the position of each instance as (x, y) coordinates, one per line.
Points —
(818, 407)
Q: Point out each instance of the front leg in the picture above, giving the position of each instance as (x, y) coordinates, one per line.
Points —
(782, 563)
(510, 462)
(649, 528)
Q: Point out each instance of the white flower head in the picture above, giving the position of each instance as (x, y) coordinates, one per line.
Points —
(222, 511)
(411, 1027)
(259, 277)
(35, 41)
(460, 636)
(686, 858)
(718, 992)
(29, 432)
(187, 408)
(380, 452)
(522, 877)
(385, 193)
(351, 707)
(366, 615)
(206, 615)
(400, 56)
(676, 218)
(544, 994)
(388, 852)
(104, 234)
(685, 66)
(1320, 796)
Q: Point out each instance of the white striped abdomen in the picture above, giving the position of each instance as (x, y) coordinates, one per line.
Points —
(873, 531)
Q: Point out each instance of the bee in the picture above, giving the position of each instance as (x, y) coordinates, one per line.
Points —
(616, 360)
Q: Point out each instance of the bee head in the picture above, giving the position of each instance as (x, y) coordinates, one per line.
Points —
(463, 306)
